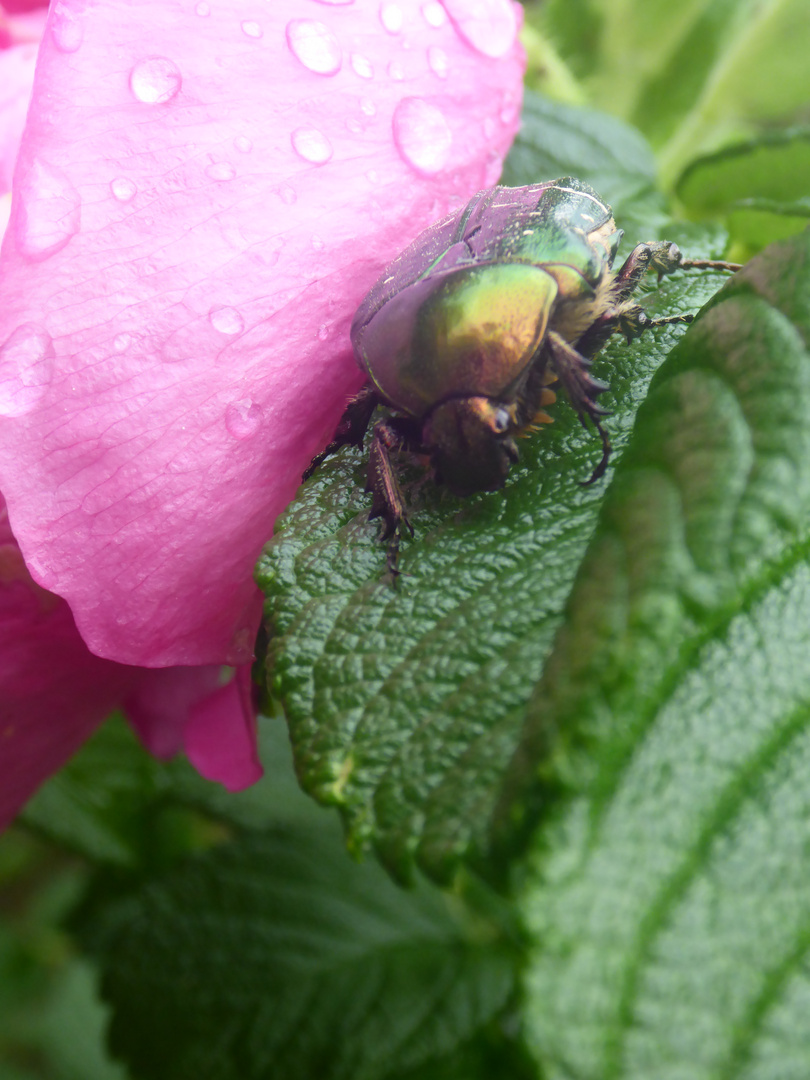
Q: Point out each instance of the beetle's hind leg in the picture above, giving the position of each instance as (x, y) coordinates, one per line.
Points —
(582, 389)
(387, 501)
(351, 429)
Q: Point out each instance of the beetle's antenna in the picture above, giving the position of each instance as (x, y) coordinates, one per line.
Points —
(710, 264)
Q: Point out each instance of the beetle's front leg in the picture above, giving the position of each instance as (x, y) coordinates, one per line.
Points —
(387, 502)
(582, 389)
(352, 427)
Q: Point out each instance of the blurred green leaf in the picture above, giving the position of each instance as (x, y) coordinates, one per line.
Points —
(668, 895)
(276, 956)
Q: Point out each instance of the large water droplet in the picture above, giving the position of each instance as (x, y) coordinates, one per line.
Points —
(49, 214)
(391, 16)
(311, 145)
(243, 144)
(362, 66)
(489, 26)
(252, 29)
(434, 14)
(422, 135)
(123, 188)
(67, 29)
(314, 44)
(220, 171)
(26, 369)
(437, 61)
(155, 80)
(243, 418)
(203, 9)
(226, 320)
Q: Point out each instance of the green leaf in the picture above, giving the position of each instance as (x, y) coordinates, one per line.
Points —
(276, 956)
(667, 893)
(760, 185)
(406, 704)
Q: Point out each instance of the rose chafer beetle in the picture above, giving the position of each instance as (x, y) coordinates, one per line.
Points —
(465, 332)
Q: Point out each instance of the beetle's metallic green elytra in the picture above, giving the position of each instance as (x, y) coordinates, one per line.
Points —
(464, 332)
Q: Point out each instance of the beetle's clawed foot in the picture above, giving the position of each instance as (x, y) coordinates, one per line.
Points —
(633, 321)
(711, 264)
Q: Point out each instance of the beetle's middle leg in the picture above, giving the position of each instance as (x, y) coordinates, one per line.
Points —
(352, 427)
(387, 501)
(582, 389)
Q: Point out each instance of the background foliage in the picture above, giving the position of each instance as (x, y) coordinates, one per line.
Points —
(578, 729)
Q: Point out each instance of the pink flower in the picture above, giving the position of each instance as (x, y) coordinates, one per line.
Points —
(202, 196)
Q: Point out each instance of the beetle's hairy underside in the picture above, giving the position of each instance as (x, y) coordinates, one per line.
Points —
(466, 331)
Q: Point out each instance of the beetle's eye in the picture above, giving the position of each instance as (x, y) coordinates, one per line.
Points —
(500, 420)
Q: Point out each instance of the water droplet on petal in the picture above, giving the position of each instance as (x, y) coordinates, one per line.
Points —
(489, 26)
(437, 61)
(315, 46)
(67, 29)
(493, 169)
(422, 135)
(121, 342)
(508, 108)
(335, 3)
(311, 145)
(252, 29)
(368, 107)
(287, 194)
(203, 9)
(323, 332)
(49, 214)
(220, 171)
(243, 144)
(317, 243)
(372, 176)
(396, 71)
(123, 189)
(391, 16)
(434, 14)
(243, 418)
(362, 66)
(155, 80)
(488, 127)
(226, 320)
(26, 369)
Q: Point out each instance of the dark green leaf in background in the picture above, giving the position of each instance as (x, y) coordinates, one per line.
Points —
(276, 956)
(670, 894)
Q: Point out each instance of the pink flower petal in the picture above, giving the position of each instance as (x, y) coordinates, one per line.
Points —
(202, 199)
(220, 736)
(16, 79)
(54, 693)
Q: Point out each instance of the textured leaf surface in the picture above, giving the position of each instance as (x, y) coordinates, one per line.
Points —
(669, 894)
(405, 705)
(276, 956)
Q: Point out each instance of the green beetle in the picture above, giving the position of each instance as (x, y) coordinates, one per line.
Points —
(465, 331)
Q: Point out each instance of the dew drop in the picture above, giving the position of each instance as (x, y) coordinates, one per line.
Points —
(311, 145)
(315, 46)
(396, 71)
(367, 107)
(26, 369)
(317, 243)
(123, 188)
(243, 418)
(434, 14)
(362, 66)
(372, 176)
(287, 194)
(488, 127)
(121, 342)
(489, 26)
(323, 332)
(252, 29)
(391, 16)
(243, 144)
(354, 126)
(220, 171)
(50, 212)
(335, 3)
(508, 109)
(155, 80)
(203, 9)
(437, 61)
(421, 135)
(66, 29)
(226, 320)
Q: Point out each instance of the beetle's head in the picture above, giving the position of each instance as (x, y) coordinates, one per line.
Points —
(470, 444)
